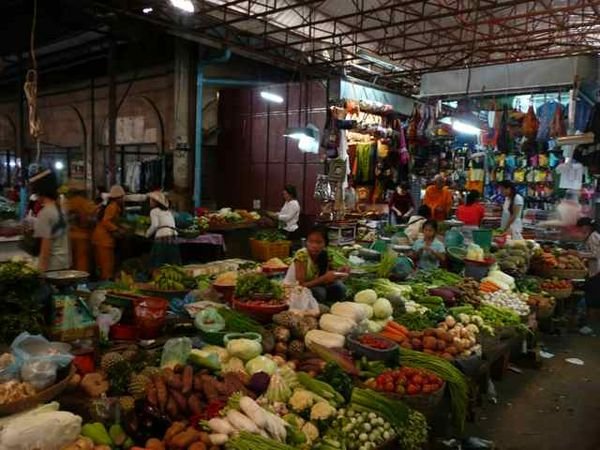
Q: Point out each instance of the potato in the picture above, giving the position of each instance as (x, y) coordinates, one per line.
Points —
(197, 446)
(154, 444)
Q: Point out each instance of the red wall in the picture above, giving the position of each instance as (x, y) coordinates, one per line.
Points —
(255, 160)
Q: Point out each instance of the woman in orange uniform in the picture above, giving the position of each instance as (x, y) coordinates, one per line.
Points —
(81, 213)
(439, 199)
(103, 237)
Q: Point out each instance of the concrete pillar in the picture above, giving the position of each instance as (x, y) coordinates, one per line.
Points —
(183, 105)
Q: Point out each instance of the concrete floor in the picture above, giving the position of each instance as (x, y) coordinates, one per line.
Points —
(556, 407)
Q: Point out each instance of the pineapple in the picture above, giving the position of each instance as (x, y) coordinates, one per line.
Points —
(151, 371)
(285, 319)
(137, 386)
(109, 360)
(305, 325)
(129, 355)
(296, 348)
(127, 403)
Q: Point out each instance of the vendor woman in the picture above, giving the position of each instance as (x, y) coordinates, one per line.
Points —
(107, 227)
(290, 212)
(313, 268)
(429, 252)
(165, 249)
(512, 210)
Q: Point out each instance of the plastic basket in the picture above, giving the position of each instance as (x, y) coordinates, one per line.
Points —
(483, 238)
(370, 353)
(477, 269)
(265, 250)
(150, 314)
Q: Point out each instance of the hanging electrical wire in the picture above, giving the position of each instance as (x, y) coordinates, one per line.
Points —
(31, 86)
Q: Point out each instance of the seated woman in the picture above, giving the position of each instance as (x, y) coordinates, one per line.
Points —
(415, 223)
(313, 268)
(429, 252)
(472, 212)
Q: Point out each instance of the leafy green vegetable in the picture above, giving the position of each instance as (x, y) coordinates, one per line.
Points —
(337, 379)
(237, 322)
(252, 284)
(270, 236)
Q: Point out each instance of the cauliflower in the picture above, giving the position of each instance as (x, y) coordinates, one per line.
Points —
(311, 431)
(464, 318)
(472, 328)
(321, 411)
(301, 399)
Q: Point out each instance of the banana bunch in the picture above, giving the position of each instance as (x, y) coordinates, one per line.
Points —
(171, 278)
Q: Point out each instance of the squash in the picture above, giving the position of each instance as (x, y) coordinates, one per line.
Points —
(350, 310)
(324, 338)
(337, 324)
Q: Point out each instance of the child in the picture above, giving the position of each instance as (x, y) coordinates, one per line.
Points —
(313, 268)
(429, 251)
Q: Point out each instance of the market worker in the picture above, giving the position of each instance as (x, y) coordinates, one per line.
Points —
(512, 210)
(313, 270)
(50, 226)
(592, 285)
(439, 198)
(165, 249)
(415, 223)
(401, 204)
(429, 251)
(81, 213)
(290, 212)
(472, 212)
(103, 237)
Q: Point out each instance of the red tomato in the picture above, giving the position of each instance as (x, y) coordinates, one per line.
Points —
(417, 379)
(413, 389)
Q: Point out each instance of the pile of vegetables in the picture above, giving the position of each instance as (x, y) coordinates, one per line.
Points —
(506, 299)
(437, 277)
(270, 236)
(257, 285)
(556, 285)
(406, 381)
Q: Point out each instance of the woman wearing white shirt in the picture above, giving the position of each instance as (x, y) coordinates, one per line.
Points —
(290, 212)
(512, 211)
(165, 249)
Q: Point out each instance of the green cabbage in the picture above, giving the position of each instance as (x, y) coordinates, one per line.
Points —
(261, 364)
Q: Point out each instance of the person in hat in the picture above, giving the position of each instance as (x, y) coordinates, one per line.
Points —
(50, 226)
(165, 249)
(81, 214)
(103, 237)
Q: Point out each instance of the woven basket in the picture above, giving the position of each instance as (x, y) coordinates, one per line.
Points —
(41, 397)
(426, 404)
(560, 294)
(568, 274)
(265, 250)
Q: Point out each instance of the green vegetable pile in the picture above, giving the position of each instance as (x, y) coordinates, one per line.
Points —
(337, 379)
(414, 435)
(528, 284)
(395, 412)
(270, 236)
(256, 284)
(20, 310)
(437, 277)
(173, 278)
(237, 322)
(457, 383)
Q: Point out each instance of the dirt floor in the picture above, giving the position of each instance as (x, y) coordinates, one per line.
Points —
(556, 407)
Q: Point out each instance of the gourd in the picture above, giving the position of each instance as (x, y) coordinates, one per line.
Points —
(350, 310)
(324, 338)
(337, 324)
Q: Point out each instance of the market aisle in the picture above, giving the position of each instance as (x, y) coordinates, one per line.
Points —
(555, 408)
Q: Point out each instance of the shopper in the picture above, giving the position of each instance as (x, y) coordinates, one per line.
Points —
(472, 212)
(313, 269)
(439, 198)
(415, 223)
(165, 249)
(591, 230)
(429, 252)
(81, 214)
(50, 225)
(103, 237)
(401, 204)
(290, 213)
(512, 211)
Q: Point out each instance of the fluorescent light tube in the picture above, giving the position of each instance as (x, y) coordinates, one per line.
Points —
(271, 97)
(184, 5)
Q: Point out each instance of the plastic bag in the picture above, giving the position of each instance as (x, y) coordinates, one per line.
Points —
(290, 275)
(302, 300)
(475, 253)
(176, 352)
(209, 321)
(27, 347)
(39, 373)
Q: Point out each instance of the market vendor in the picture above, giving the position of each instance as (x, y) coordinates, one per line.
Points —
(401, 204)
(81, 213)
(472, 212)
(103, 237)
(429, 252)
(415, 223)
(50, 226)
(165, 249)
(512, 210)
(290, 212)
(313, 269)
(439, 198)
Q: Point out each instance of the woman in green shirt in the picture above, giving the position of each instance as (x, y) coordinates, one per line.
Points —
(313, 268)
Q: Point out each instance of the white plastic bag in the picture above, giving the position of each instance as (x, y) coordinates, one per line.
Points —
(290, 275)
(302, 300)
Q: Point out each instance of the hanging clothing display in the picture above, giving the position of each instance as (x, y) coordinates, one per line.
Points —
(571, 175)
(364, 163)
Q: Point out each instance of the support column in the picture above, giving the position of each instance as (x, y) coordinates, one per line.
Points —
(20, 125)
(184, 95)
(112, 114)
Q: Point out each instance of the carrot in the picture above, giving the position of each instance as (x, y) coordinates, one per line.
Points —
(396, 337)
(397, 327)
(161, 391)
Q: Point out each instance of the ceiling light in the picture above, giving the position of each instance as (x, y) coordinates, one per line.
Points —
(271, 97)
(184, 5)
(307, 137)
(465, 128)
(379, 61)
(58, 165)
(147, 10)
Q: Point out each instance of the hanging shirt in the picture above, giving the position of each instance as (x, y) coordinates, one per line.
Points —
(571, 176)
(289, 215)
(162, 224)
(517, 226)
